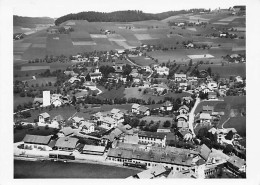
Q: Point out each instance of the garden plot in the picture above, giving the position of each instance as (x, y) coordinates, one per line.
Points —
(231, 18)
(39, 45)
(144, 37)
(84, 43)
(200, 56)
(31, 68)
(98, 36)
(116, 37)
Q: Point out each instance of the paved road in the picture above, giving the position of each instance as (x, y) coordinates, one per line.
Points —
(132, 62)
(191, 116)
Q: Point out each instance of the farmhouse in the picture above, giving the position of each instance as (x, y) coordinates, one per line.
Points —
(73, 80)
(183, 86)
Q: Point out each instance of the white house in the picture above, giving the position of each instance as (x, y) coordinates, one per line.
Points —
(135, 108)
(180, 77)
(152, 138)
(239, 79)
(190, 45)
(73, 79)
(44, 118)
(162, 70)
(87, 127)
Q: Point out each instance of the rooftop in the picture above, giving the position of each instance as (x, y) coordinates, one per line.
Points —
(66, 142)
(35, 139)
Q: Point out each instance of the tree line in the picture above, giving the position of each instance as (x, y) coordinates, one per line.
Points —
(119, 16)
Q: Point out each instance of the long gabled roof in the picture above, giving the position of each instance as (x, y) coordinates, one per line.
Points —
(35, 139)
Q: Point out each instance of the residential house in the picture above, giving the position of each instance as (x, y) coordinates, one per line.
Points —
(93, 150)
(73, 80)
(66, 131)
(77, 120)
(184, 109)
(33, 142)
(162, 70)
(208, 109)
(108, 122)
(152, 138)
(44, 118)
(182, 121)
(239, 79)
(160, 88)
(183, 86)
(190, 45)
(145, 111)
(180, 77)
(38, 101)
(184, 133)
(167, 106)
(87, 127)
(212, 95)
(205, 118)
(135, 108)
(66, 144)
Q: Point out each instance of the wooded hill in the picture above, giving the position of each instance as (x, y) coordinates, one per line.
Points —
(121, 16)
(30, 22)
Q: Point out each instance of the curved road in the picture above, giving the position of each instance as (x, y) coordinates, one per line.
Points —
(191, 116)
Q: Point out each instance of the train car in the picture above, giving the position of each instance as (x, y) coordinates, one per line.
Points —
(136, 165)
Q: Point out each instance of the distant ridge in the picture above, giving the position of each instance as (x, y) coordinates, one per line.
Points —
(31, 21)
(121, 16)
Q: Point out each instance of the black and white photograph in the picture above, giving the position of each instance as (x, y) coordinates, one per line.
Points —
(129, 89)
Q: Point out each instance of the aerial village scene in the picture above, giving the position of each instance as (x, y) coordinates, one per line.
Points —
(130, 95)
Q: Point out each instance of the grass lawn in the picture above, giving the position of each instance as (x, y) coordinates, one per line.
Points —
(43, 81)
(227, 70)
(114, 93)
(18, 100)
(143, 61)
(239, 123)
(134, 92)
